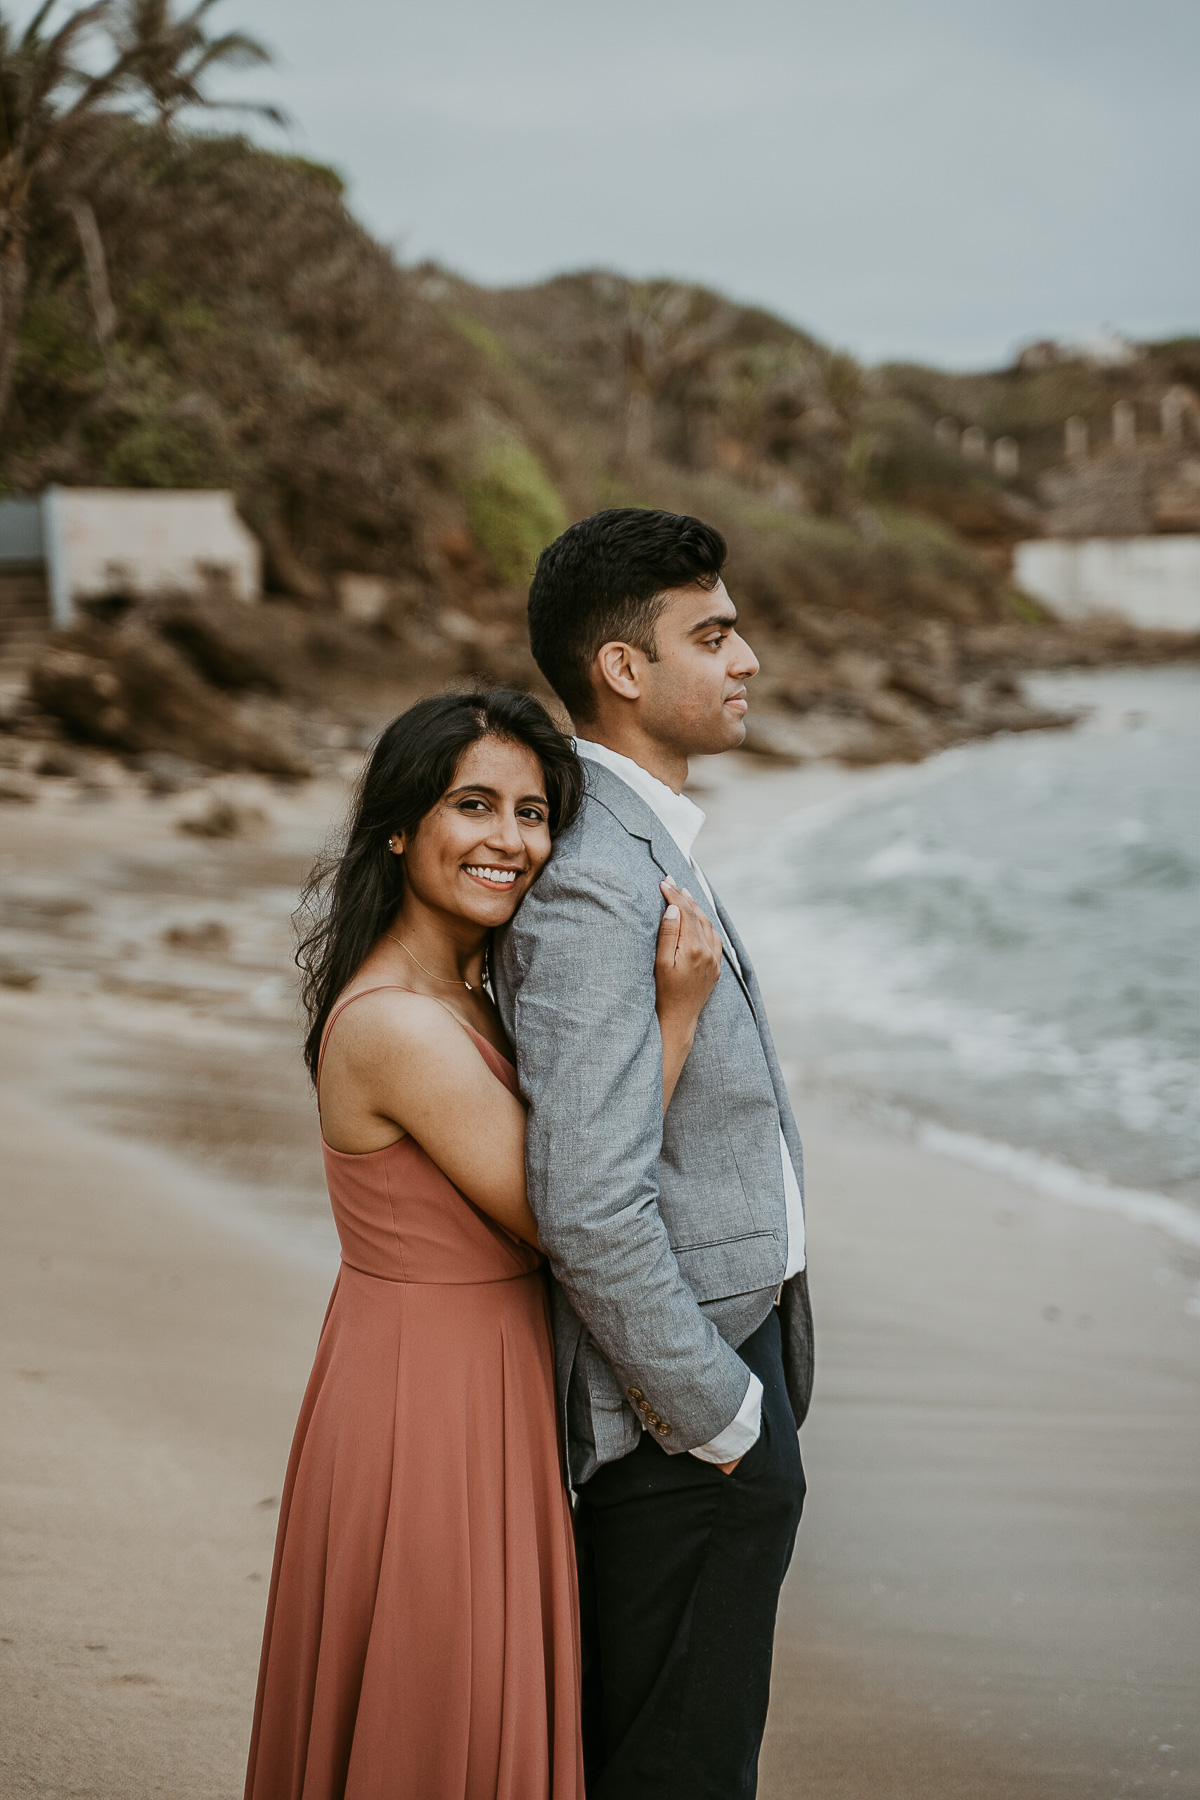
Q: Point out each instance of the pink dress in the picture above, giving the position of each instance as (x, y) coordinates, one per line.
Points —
(422, 1634)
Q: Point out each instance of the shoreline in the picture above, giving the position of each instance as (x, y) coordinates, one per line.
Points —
(801, 804)
(991, 1596)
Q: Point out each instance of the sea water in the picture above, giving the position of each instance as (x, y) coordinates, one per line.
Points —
(1000, 948)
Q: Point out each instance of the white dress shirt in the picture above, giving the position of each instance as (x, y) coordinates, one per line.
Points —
(683, 820)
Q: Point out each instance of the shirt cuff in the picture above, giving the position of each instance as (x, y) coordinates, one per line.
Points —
(741, 1434)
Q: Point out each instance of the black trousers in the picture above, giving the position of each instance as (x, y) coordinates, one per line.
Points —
(680, 1568)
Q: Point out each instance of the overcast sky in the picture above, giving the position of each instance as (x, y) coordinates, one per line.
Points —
(940, 179)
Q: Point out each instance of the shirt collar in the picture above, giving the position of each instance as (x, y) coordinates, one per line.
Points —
(681, 816)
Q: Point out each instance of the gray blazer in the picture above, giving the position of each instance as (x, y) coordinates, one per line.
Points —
(666, 1236)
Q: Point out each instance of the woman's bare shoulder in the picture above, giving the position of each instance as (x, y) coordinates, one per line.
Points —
(395, 1021)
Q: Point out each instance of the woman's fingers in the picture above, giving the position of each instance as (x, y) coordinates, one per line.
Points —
(698, 946)
(697, 938)
(669, 934)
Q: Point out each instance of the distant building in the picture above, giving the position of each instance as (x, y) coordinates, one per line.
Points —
(1106, 350)
(1151, 581)
(1123, 523)
(1123, 492)
(70, 549)
(95, 544)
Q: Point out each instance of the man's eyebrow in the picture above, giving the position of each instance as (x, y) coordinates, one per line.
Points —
(725, 620)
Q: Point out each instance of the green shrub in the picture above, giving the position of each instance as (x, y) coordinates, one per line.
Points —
(484, 340)
(513, 507)
(159, 451)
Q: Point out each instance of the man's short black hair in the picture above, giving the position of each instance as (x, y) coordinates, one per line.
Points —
(602, 581)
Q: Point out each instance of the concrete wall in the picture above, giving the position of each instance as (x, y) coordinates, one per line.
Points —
(103, 541)
(1152, 581)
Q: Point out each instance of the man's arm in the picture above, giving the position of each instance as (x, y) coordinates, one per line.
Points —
(578, 963)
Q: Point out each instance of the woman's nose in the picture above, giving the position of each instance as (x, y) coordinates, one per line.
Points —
(506, 834)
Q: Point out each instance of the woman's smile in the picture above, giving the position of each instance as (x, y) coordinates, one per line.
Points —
(488, 875)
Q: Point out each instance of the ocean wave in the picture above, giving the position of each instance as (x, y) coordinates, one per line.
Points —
(825, 965)
(1004, 940)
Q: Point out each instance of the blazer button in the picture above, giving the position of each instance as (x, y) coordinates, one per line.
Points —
(634, 1393)
(664, 1429)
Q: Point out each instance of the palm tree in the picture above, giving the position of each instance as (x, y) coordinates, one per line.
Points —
(48, 108)
(170, 54)
(662, 337)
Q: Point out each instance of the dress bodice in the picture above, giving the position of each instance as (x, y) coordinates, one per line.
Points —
(400, 1218)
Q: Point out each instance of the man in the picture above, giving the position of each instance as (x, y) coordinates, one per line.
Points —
(682, 1327)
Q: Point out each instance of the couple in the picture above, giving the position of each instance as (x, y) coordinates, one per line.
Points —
(618, 1112)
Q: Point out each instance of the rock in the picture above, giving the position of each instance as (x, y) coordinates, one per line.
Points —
(42, 912)
(774, 740)
(222, 819)
(21, 979)
(228, 643)
(209, 938)
(167, 774)
(288, 571)
(889, 709)
(927, 684)
(859, 671)
(57, 762)
(125, 688)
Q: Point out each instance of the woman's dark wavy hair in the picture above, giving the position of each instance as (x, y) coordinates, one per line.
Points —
(352, 894)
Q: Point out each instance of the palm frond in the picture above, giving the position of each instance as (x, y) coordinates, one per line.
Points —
(236, 48)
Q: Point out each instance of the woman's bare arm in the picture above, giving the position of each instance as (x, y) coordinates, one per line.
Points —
(406, 1060)
(400, 1058)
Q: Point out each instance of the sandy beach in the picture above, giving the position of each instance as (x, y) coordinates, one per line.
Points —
(994, 1590)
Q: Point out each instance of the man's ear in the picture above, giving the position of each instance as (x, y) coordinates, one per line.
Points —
(618, 667)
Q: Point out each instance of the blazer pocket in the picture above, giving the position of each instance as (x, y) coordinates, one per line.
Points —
(741, 1265)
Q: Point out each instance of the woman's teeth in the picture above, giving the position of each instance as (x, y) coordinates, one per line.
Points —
(502, 877)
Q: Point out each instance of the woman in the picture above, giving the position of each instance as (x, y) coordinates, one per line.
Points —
(422, 1637)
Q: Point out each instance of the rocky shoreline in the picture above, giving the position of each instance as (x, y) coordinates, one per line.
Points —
(279, 690)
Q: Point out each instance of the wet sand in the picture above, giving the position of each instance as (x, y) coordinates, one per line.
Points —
(994, 1589)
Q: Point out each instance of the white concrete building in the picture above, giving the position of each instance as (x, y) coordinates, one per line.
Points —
(95, 543)
(1151, 581)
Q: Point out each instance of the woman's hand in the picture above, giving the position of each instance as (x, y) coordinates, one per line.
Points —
(687, 966)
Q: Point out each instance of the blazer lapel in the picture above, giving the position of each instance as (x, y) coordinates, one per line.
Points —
(673, 862)
(741, 967)
(641, 821)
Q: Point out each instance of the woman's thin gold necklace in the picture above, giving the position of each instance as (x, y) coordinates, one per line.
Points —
(454, 980)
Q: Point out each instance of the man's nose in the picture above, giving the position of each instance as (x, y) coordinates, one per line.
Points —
(743, 664)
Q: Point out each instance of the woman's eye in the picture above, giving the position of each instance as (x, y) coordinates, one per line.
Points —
(472, 806)
(532, 816)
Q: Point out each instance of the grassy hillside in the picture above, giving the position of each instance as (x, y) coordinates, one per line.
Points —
(407, 424)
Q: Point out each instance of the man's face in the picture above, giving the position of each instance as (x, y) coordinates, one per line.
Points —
(693, 698)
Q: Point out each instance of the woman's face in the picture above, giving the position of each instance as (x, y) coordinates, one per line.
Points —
(476, 853)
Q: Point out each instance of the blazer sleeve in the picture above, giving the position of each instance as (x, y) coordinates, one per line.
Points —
(577, 975)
